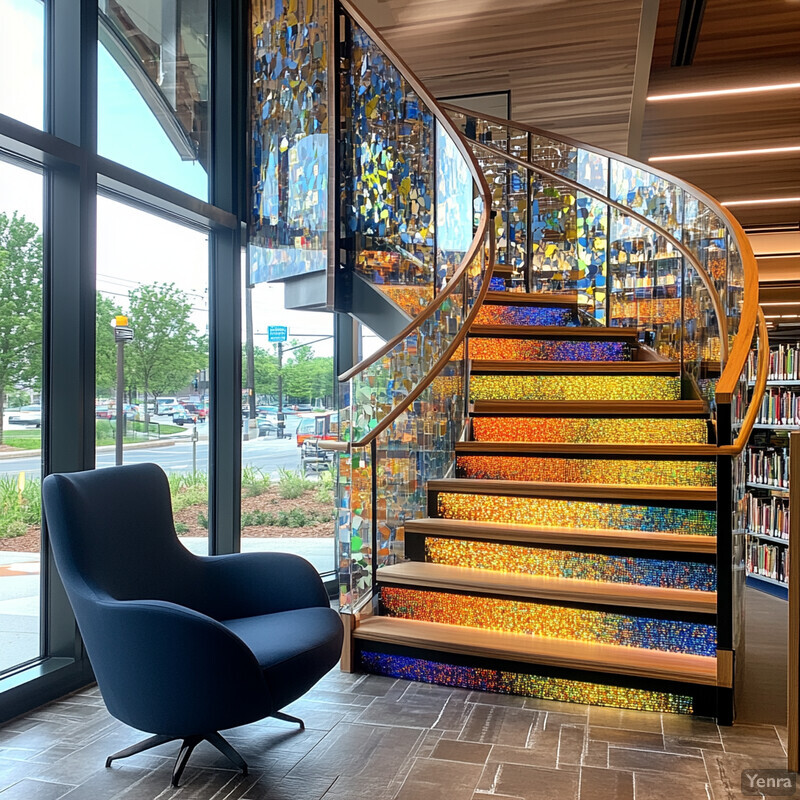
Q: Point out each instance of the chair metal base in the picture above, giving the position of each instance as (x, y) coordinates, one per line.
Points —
(187, 747)
(289, 718)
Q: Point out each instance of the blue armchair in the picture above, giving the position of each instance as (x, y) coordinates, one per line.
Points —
(182, 646)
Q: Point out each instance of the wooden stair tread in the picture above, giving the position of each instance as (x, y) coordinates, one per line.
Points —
(577, 367)
(655, 664)
(532, 299)
(502, 269)
(603, 408)
(483, 581)
(607, 492)
(555, 332)
(573, 537)
(621, 450)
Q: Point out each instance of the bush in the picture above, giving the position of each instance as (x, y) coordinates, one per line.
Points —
(181, 527)
(292, 485)
(325, 488)
(188, 489)
(254, 481)
(19, 510)
(202, 520)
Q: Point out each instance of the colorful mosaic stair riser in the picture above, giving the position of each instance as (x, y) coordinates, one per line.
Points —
(574, 387)
(502, 349)
(598, 430)
(551, 621)
(526, 315)
(516, 683)
(548, 512)
(589, 470)
(515, 559)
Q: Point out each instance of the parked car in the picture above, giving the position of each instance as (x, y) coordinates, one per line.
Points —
(180, 416)
(27, 415)
(267, 424)
(103, 412)
(320, 426)
(200, 412)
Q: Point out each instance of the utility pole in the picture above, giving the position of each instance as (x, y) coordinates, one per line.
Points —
(122, 334)
(281, 423)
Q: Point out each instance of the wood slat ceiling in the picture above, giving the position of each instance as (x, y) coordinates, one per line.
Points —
(741, 43)
(569, 66)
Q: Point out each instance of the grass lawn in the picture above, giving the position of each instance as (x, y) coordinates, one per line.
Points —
(31, 438)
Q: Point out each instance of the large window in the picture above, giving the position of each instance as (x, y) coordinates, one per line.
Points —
(21, 272)
(288, 407)
(153, 102)
(22, 60)
(155, 272)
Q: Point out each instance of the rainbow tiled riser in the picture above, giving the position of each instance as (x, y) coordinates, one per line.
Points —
(573, 554)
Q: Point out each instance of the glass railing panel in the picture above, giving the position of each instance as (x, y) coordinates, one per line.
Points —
(701, 343)
(454, 204)
(651, 196)
(515, 216)
(645, 283)
(735, 288)
(592, 171)
(569, 243)
(388, 154)
(557, 156)
(417, 447)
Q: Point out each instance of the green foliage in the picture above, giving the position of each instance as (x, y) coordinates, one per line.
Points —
(18, 510)
(181, 527)
(325, 488)
(292, 485)
(105, 347)
(187, 489)
(202, 520)
(167, 347)
(254, 481)
(20, 306)
(296, 518)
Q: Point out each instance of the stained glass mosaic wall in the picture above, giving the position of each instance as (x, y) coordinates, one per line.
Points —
(289, 138)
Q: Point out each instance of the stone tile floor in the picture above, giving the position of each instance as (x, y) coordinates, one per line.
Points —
(381, 739)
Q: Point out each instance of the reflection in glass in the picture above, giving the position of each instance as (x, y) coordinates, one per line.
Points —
(155, 272)
(289, 147)
(21, 208)
(22, 61)
(153, 90)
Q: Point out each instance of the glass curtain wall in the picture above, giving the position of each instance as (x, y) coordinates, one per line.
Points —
(21, 284)
(159, 281)
(116, 202)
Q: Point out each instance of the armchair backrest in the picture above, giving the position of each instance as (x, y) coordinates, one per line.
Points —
(112, 533)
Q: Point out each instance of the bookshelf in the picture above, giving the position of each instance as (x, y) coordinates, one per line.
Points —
(763, 513)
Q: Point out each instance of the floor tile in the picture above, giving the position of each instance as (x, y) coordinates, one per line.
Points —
(427, 778)
(605, 784)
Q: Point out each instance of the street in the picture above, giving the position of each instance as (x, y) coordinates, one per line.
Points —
(266, 453)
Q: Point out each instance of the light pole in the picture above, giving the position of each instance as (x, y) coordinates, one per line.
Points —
(122, 334)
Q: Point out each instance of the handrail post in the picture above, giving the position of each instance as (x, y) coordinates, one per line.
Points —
(793, 671)
(373, 457)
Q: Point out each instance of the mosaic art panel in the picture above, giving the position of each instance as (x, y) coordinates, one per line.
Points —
(598, 430)
(525, 315)
(550, 621)
(574, 387)
(570, 564)
(289, 138)
(546, 512)
(503, 349)
(631, 472)
(412, 299)
(516, 683)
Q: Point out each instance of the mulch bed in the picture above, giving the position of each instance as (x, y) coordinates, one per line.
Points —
(269, 501)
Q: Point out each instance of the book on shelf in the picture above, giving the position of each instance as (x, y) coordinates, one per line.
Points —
(784, 363)
(769, 466)
(779, 407)
(767, 560)
(765, 515)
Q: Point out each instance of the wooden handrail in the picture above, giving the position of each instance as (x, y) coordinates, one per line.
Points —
(477, 175)
(762, 372)
(533, 166)
(737, 358)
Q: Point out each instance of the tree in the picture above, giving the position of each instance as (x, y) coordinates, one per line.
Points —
(166, 349)
(105, 349)
(20, 306)
(266, 371)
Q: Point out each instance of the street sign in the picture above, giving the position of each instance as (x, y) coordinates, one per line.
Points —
(277, 333)
(122, 333)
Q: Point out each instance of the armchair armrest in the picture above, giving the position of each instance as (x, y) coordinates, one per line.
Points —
(167, 669)
(250, 584)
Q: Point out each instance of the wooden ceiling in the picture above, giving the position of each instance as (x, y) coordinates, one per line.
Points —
(741, 43)
(569, 66)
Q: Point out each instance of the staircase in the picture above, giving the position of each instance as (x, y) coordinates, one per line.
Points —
(572, 556)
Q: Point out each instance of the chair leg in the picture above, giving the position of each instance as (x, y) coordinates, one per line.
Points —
(187, 747)
(289, 718)
(140, 747)
(228, 750)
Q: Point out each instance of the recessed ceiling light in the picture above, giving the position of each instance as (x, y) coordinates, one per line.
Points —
(783, 303)
(773, 87)
(728, 153)
(764, 202)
